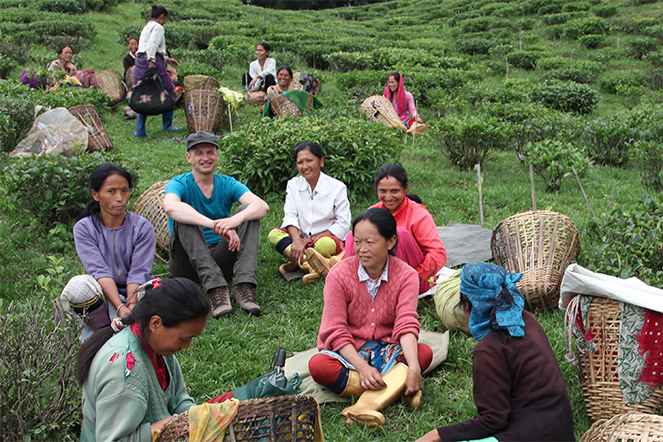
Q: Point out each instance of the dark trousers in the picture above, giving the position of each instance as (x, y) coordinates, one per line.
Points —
(213, 264)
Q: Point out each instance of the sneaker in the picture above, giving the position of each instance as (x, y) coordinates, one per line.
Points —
(220, 299)
(317, 262)
(245, 295)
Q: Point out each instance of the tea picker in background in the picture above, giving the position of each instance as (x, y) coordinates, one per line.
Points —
(129, 60)
(116, 248)
(283, 82)
(401, 99)
(261, 75)
(63, 63)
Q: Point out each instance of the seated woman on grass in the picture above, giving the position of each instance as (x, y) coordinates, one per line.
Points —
(63, 63)
(401, 99)
(370, 326)
(519, 390)
(261, 75)
(317, 214)
(116, 248)
(419, 243)
(283, 82)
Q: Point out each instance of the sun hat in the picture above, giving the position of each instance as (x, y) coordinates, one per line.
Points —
(202, 136)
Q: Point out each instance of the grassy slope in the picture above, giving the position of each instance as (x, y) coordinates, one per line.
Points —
(232, 352)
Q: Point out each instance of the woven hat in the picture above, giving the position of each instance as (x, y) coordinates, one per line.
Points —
(202, 136)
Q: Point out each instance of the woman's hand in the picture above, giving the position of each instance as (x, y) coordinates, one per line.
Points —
(431, 436)
(297, 250)
(371, 379)
(151, 64)
(413, 381)
(123, 311)
(174, 63)
(418, 119)
(158, 425)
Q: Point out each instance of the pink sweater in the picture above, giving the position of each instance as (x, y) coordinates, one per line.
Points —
(350, 316)
(415, 218)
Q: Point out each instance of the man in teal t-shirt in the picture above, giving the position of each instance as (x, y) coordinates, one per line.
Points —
(207, 244)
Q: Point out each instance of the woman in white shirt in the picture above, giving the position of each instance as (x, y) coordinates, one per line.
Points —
(317, 214)
(152, 52)
(262, 74)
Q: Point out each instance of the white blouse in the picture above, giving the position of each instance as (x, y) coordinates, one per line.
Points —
(255, 71)
(152, 40)
(325, 208)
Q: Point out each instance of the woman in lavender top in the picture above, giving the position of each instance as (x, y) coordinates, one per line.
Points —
(116, 248)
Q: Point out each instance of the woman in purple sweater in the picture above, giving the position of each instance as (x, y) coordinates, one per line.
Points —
(519, 390)
(116, 248)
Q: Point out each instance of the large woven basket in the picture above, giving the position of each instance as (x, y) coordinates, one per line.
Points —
(282, 418)
(97, 137)
(379, 108)
(632, 427)
(598, 368)
(204, 110)
(205, 82)
(296, 85)
(150, 206)
(129, 78)
(111, 83)
(282, 106)
(539, 244)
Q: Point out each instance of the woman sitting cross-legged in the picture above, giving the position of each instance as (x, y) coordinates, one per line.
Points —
(519, 390)
(317, 214)
(370, 326)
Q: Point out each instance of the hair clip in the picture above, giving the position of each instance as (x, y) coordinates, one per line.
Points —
(117, 325)
(155, 283)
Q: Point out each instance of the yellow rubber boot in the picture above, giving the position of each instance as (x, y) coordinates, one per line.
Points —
(366, 411)
(353, 387)
(287, 267)
(317, 262)
(336, 258)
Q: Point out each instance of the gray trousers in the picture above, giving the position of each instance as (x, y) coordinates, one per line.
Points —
(213, 265)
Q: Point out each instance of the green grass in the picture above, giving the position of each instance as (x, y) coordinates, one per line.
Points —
(232, 352)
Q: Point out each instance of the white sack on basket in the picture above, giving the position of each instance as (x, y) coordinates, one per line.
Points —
(579, 280)
(53, 132)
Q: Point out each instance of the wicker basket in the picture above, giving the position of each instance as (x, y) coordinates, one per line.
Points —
(539, 244)
(129, 78)
(205, 82)
(379, 108)
(632, 427)
(282, 418)
(110, 82)
(204, 110)
(97, 137)
(296, 85)
(150, 206)
(598, 369)
(282, 106)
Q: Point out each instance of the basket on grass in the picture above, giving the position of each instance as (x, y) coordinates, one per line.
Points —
(282, 106)
(379, 108)
(111, 83)
(631, 427)
(150, 206)
(598, 368)
(97, 137)
(539, 244)
(204, 110)
(129, 77)
(281, 418)
(205, 82)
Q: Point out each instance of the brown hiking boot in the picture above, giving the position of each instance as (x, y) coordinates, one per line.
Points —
(245, 295)
(220, 300)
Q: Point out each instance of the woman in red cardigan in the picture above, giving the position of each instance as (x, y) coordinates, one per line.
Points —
(419, 243)
(370, 326)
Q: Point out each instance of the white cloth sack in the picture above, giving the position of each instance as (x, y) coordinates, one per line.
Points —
(579, 280)
(53, 132)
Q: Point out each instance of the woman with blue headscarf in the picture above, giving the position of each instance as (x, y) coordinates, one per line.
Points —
(519, 390)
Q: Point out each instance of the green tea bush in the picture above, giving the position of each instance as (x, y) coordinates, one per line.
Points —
(473, 46)
(605, 11)
(525, 59)
(7, 65)
(470, 139)
(261, 155)
(648, 159)
(627, 242)
(610, 81)
(348, 61)
(566, 96)
(646, 118)
(74, 96)
(548, 125)
(579, 72)
(212, 57)
(640, 47)
(552, 160)
(40, 395)
(576, 6)
(638, 24)
(591, 41)
(17, 104)
(655, 31)
(586, 26)
(482, 24)
(63, 6)
(51, 188)
(608, 141)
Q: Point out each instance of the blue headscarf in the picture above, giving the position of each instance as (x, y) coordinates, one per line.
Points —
(482, 283)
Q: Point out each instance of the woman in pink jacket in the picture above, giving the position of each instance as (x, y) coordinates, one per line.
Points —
(401, 99)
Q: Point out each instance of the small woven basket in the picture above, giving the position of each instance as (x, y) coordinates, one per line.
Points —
(129, 77)
(282, 106)
(632, 427)
(539, 244)
(97, 137)
(205, 82)
(204, 110)
(379, 108)
(150, 206)
(110, 82)
(598, 368)
(282, 418)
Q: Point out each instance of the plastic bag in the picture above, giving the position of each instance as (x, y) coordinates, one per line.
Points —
(55, 131)
(149, 97)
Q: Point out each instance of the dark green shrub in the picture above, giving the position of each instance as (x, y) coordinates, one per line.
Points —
(348, 61)
(63, 6)
(586, 26)
(17, 107)
(482, 24)
(592, 41)
(608, 141)
(73, 96)
(647, 120)
(648, 159)
(55, 42)
(469, 140)
(555, 32)
(655, 31)
(640, 47)
(609, 83)
(605, 11)
(40, 395)
(51, 188)
(566, 96)
(638, 24)
(473, 46)
(552, 160)
(6, 66)
(553, 8)
(549, 125)
(562, 18)
(627, 242)
(569, 74)
(576, 6)
(525, 59)
(261, 155)
(212, 57)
